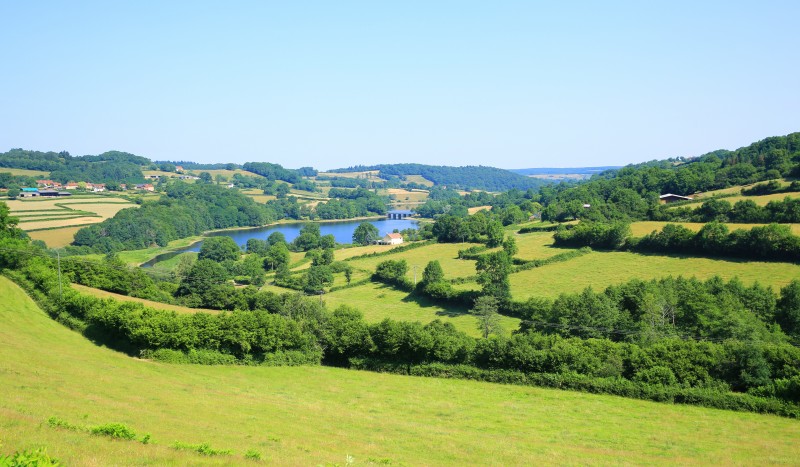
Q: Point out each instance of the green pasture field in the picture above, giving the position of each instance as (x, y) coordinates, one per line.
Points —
(446, 253)
(124, 298)
(419, 179)
(379, 301)
(169, 264)
(39, 174)
(137, 257)
(161, 173)
(640, 229)
(320, 416)
(599, 269)
(734, 190)
(761, 200)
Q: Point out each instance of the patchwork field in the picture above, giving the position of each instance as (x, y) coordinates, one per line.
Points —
(326, 416)
(57, 218)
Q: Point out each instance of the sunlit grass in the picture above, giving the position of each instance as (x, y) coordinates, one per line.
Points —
(600, 269)
(318, 416)
(379, 301)
(445, 253)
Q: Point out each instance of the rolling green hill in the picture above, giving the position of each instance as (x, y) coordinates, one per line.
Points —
(316, 415)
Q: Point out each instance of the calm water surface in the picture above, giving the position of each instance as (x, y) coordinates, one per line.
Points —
(342, 231)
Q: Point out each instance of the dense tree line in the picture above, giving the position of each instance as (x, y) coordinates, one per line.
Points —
(770, 242)
(273, 172)
(467, 178)
(110, 166)
(186, 210)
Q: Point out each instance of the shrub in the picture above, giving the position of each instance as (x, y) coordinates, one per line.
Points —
(202, 448)
(36, 457)
(114, 430)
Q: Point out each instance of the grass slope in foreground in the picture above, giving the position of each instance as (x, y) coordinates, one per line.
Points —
(313, 415)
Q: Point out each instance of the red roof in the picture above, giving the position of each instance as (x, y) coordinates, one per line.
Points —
(394, 235)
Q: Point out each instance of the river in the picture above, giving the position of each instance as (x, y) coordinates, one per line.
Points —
(342, 231)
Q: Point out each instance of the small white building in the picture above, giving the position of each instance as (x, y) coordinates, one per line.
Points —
(391, 239)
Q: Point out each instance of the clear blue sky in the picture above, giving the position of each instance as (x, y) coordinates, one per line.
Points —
(337, 83)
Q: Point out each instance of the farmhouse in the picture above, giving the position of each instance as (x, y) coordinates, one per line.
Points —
(71, 186)
(670, 198)
(391, 239)
(145, 187)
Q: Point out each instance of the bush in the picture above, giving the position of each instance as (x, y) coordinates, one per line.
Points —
(35, 457)
(203, 448)
(114, 430)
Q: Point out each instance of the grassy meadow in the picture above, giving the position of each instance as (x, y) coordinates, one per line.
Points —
(318, 416)
(379, 301)
(599, 269)
(419, 179)
(40, 174)
(446, 253)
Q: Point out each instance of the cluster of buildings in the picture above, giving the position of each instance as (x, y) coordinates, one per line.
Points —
(52, 185)
(50, 188)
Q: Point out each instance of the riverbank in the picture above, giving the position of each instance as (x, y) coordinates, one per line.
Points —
(289, 227)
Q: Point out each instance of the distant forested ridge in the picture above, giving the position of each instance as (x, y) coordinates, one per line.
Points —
(110, 166)
(466, 178)
(565, 170)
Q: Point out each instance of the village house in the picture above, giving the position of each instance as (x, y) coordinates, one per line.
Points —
(45, 183)
(391, 239)
(96, 187)
(71, 186)
(145, 187)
